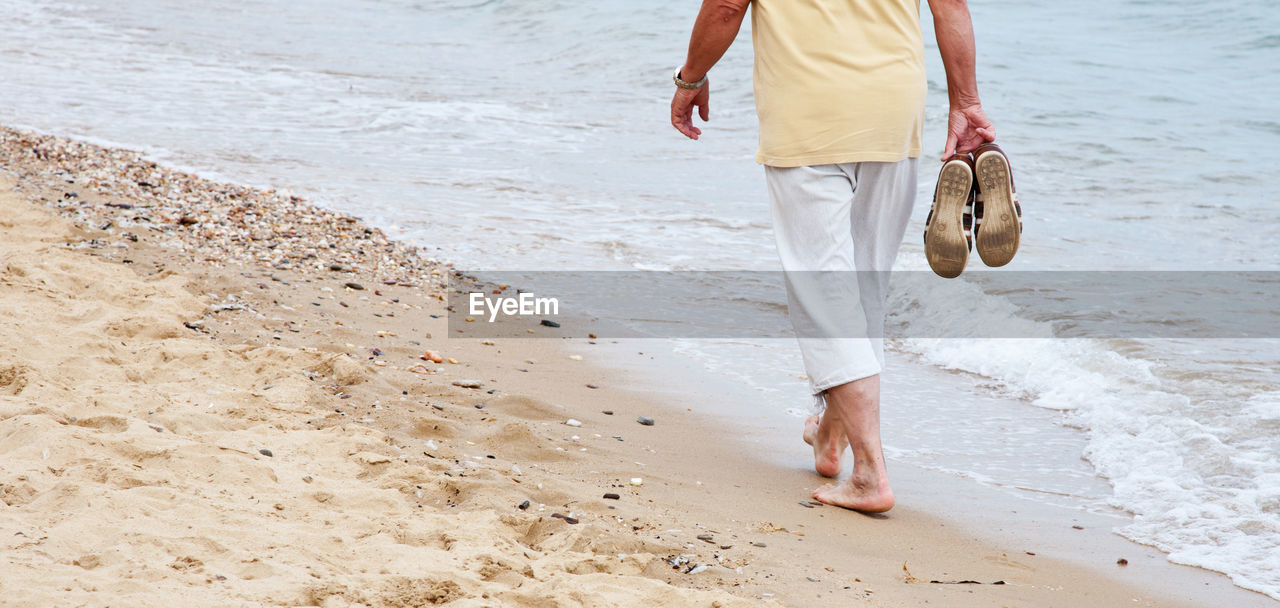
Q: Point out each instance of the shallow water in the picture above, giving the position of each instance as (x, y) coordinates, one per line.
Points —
(520, 135)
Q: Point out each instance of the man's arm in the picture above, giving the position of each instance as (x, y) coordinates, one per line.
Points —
(968, 126)
(714, 30)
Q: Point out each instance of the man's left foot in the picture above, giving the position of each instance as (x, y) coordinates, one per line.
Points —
(866, 497)
(828, 454)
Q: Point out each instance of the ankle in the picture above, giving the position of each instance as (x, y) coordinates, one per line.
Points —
(869, 474)
(829, 437)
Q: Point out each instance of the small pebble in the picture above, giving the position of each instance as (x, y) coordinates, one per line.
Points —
(636, 481)
(761, 545)
(467, 383)
(522, 506)
(576, 357)
(354, 286)
(1122, 561)
(592, 386)
(266, 452)
(645, 420)
(706, 538)
(573, 422)
(607, 412)
(550, 323)
(612, 496)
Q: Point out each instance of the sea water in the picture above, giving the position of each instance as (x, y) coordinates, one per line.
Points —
(509, 135)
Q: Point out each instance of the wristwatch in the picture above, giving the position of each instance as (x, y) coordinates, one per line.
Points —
(682, 83)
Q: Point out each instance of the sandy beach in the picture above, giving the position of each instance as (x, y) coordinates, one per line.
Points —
(212, 395)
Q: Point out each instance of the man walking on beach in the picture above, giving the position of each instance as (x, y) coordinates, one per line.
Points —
(840, 92)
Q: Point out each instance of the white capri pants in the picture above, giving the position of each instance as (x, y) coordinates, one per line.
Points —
(838, 230)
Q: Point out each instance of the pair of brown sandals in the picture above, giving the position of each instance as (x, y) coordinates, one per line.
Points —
(974, 204)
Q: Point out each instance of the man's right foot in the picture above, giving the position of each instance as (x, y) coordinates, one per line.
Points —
(828, 453)
(866, 496)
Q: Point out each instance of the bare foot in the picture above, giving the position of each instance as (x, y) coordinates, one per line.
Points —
(867, 497)
(828, 452)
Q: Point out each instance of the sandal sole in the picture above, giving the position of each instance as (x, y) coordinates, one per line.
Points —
(998, 239)
(945, 245)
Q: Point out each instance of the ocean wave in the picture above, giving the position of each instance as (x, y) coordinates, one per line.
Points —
(1200, 475)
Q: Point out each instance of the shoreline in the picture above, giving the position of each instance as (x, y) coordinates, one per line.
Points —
(1070, 535)
(300, 315)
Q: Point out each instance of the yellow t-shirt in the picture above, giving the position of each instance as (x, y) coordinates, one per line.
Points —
(838, 81)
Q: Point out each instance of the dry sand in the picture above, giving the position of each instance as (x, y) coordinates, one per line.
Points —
(237, 424)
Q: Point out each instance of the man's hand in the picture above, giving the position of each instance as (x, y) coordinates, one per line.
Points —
(714, 30)
(682, 104)
(967, 128)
